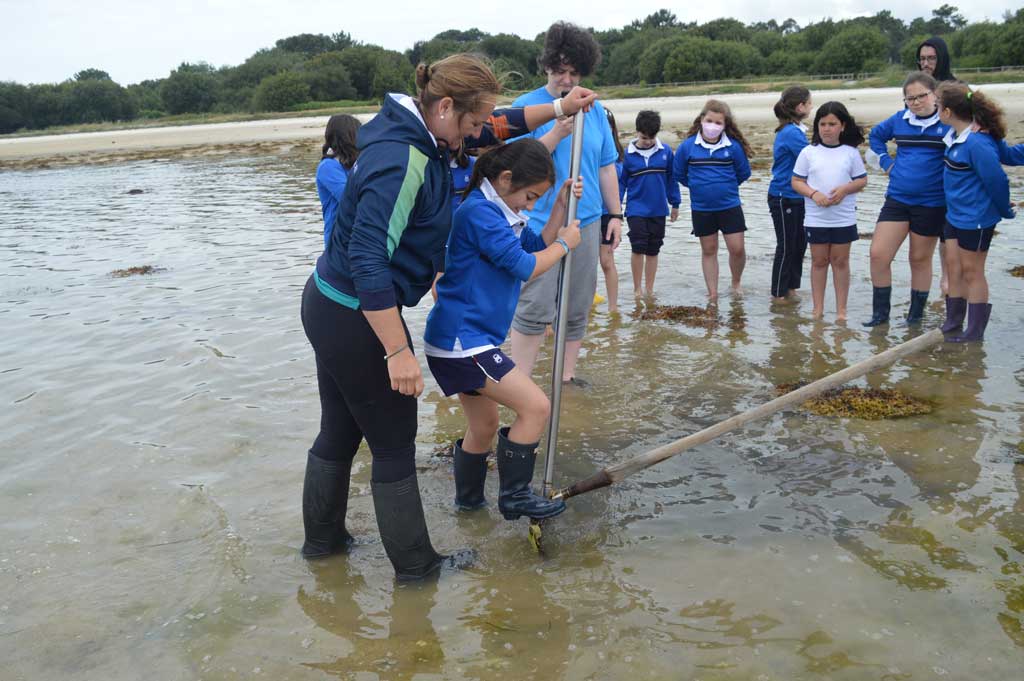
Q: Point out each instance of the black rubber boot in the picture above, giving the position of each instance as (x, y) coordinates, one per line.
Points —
(918, 300)
(977, 320)
(956, 310)
(324, 503)
(403, 530)
(515, 471)
(881, 298)
(470, 475)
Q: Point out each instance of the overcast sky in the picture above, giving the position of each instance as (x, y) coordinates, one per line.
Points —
(49, 40)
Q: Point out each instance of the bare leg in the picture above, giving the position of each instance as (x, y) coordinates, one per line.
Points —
(888, 238)
(481, 423)
(956, 287)
(839, 259)
(819, 278)
(524, 350)
(944, 268)
(636, 266)
(709, 264)
(520, 394)
(611, 277)
(650, 270)
(972, 265)
(922, 251)
(734, 243)
(572, 354)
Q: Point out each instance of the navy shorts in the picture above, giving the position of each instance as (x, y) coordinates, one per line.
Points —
(469, 374)
(970, 239)
(924, 220)
(646, 235)
(605, 241)
(832, 235)
(728, 221)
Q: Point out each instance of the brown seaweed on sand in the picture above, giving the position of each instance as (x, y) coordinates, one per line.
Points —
(706, 318)
(138, 269)
(1017, 271)
(862, 403)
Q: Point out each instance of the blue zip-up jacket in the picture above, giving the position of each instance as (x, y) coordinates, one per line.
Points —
(713, 175)
(490, 254)
(1011, 156)
(977, 189)
(916, 179)
(331, 178)
(789, 142)
(460, 181)
(648, 182)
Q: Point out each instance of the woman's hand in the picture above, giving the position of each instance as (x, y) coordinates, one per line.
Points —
(404, 372)
(579, 98)
(571, 234)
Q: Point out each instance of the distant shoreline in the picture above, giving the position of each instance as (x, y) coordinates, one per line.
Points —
(754, 110)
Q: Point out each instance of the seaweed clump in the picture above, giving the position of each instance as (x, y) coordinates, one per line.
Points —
(1017, 271)
(137, 270)
(706, 318)
(872, 404)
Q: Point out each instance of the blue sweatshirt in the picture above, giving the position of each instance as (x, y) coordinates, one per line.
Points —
(916, 179)
(977, 189)
(460, 180)
(647, 179)
(598, 151)
(1011, 156)
(789, 142)
(712, 172)
(490, 253)
(331, 178)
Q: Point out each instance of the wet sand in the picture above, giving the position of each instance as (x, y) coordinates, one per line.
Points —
(753, 111)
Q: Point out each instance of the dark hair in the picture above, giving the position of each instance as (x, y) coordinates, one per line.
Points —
(528, 159)
(648, 122)
(943, 68)
(340, 139)
(921, 78)
(718, 106)
(973, 106)
(569, 45)
(852, 134)
(466, 78)
(615, 133)
(785, 108)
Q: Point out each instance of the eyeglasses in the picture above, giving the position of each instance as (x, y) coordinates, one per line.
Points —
(914, 99)
(927, 60)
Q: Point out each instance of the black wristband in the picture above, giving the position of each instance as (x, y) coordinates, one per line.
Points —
(615, 215)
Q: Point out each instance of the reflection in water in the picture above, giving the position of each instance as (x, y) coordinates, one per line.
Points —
(180, 404)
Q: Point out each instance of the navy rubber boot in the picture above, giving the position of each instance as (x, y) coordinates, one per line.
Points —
(977, 320)
(324, 504)
(918, 300)
(515, 471)
(881, 297)
(470, 475)
(403, 530)
(956, 310)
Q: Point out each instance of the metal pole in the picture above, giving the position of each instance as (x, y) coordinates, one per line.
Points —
(562, 304)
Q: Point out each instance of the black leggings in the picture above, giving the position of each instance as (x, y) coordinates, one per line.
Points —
(790, 243)
(356, 399)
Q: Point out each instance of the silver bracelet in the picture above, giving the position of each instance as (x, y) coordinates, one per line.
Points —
(561, 242)
(388, 357)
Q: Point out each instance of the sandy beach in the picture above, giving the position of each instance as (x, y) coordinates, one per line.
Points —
(753, 111)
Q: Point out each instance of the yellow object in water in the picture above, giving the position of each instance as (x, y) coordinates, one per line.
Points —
(598, 299)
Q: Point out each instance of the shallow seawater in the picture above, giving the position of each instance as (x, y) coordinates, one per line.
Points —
(154, 430)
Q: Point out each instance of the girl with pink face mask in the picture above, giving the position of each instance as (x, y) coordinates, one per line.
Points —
(712, 162)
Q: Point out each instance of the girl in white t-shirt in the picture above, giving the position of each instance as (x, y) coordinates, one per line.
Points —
(828, 174)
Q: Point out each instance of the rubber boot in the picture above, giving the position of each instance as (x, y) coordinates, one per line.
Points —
(403, 530)
(324, 503)
(881, 297)
(515, 471)
(956, 310)
(470, 474)
(918, 300)
(977, 320)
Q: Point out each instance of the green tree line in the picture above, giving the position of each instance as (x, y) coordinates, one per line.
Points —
(307, 70)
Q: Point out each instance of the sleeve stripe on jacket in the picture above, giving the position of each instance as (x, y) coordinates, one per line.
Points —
(406, 199)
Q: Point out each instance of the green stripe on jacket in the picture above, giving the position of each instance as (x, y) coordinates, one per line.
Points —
(406, 199)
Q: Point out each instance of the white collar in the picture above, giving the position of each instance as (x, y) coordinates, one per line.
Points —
(410, 104)
(515, 220)
(799, 125)
(910, 117)
(952, 138)
(648, 152)
(722, 142)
